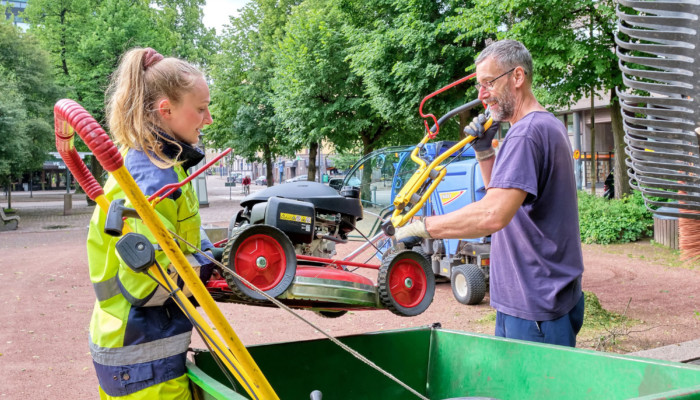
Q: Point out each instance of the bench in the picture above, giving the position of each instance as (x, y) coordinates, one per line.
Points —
(8, 223)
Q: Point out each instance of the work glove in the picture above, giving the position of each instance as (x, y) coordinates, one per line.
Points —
(415, 229)
(484, 139)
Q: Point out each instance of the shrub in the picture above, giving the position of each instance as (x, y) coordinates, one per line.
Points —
(605, 221)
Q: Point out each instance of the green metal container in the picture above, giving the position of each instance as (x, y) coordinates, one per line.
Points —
(443, 364)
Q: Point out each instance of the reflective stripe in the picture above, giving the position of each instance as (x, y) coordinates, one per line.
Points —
(131, 299)
(106, 289)
(141, 353)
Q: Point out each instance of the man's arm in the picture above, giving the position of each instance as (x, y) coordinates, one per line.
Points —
(486, 167)
(480, 218)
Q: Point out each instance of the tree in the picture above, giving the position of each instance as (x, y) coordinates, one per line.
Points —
(193, 41)
(27, 94)
(242, 105)
(403, 52)
(86, 39)
(572, 44)
(317, 97)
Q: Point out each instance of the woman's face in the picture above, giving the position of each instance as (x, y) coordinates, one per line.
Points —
(187, 118)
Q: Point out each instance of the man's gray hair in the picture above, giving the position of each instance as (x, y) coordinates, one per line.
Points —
(508, 54)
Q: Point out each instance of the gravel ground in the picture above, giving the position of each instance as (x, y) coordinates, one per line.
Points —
(47, 299)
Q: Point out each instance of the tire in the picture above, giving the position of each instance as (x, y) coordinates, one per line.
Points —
(419, 250)
(264, 256)
(406, 284)
(468, 284)
(234, 223)
(331, 314)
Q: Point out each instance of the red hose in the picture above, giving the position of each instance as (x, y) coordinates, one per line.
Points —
(69, 118)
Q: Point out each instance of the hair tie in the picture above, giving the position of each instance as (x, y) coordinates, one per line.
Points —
(150, 57)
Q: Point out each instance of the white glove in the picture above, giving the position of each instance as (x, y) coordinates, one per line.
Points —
(416, 228)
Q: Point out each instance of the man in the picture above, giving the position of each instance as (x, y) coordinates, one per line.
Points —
(530, 206)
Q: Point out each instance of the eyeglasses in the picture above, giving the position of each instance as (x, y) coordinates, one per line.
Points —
(488, 85)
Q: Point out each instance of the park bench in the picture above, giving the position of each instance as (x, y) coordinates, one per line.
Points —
(9, 223)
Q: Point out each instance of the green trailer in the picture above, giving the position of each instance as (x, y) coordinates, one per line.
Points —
(445, 364)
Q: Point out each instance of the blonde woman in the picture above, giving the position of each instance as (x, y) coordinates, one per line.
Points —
(138, 336)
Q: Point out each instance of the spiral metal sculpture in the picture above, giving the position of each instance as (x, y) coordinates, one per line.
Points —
(657, 45)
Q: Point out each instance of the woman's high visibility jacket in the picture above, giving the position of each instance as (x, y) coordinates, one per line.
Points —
(138, 335)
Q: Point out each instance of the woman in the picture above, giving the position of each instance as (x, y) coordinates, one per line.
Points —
(138, 336)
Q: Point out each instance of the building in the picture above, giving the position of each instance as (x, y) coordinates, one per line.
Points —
(16, 7)
(578, 122)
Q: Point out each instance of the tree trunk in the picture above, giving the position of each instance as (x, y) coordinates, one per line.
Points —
(622, 184)
(313, 153)
(367, 147)
(594, 161)
(269, 166)
(9, 194)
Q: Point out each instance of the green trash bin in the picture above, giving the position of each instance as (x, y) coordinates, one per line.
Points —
(444, 364)
(325, 178)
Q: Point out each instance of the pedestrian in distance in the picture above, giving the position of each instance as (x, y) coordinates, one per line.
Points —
(530, 207)
(138, 336)
(246, 185)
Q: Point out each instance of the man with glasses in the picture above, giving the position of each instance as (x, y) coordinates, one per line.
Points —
(530, 206)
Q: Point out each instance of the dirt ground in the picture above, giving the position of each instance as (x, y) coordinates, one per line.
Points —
(47, 300)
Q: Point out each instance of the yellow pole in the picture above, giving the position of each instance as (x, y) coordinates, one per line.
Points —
(259, 384)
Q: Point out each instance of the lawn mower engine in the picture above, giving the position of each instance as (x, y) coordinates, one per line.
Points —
(313, 216)
(273, 227)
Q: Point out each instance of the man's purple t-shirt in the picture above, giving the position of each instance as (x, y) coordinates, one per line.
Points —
(536, 260)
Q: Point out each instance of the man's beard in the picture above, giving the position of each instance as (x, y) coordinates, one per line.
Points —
(506, 108)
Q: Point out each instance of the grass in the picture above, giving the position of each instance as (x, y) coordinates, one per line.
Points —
(602, 329)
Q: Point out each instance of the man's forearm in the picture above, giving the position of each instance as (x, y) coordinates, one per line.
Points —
(486, 167)
(477, 219)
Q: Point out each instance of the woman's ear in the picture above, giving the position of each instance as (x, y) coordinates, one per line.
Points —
(164, 109)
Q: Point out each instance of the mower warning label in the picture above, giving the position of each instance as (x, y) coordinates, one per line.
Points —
(294, 217)
(448, 197)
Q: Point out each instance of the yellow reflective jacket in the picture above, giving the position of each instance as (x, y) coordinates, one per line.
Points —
(138, 336)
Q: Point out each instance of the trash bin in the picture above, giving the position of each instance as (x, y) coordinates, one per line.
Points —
(324, 178)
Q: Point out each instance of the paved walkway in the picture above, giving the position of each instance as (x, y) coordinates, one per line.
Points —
(44, 210)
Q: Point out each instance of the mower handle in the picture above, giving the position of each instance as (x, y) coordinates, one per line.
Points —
(69, 114)
(432, 134)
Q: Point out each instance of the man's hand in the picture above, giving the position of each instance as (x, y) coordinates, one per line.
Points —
(416, 228)
(484, 138)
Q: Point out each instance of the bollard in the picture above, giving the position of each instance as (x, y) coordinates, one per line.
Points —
(67, 203)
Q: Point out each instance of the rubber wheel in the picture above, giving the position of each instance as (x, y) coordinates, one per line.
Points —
(468, 284)
(406, 283)
(331, 314)
(419, 250)
(232, 225)
(263, 255)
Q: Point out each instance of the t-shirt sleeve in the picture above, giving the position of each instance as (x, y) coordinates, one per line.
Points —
(517, 167)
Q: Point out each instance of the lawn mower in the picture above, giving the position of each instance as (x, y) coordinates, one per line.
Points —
(284, 240)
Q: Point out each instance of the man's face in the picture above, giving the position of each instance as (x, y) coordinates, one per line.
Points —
(498, 94)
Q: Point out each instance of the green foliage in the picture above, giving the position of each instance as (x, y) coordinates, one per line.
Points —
(568, 60)
(595, 316)
(403, 52)
(605, 221)
(343, 161)
(27, 94)
(317, 96)
(85, 39)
